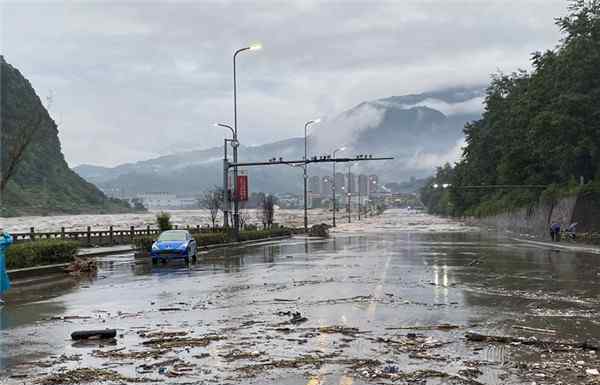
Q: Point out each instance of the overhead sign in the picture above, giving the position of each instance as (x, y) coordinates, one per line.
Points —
(242, 182)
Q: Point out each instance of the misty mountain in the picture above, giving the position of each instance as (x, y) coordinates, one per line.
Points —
(421, 131)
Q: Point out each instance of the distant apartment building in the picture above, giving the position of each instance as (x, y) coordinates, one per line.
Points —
(363, 184)
(314, 185)
(351, 183)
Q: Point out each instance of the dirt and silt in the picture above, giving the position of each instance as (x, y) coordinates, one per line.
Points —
(393, 299)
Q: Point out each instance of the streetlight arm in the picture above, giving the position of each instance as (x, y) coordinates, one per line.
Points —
(239, 50)
(226, 126)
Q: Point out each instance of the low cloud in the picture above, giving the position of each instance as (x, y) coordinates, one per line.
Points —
(152, 77)
(428, 161)
(345, 128)
(472, 106)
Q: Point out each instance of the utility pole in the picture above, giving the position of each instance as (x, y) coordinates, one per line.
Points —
(225, 189)
(236, 203)
(305, 171)
(333, 186)
(359, 199)
(226, 200)
(348, 192)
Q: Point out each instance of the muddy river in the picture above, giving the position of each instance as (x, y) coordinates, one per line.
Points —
(400, 298)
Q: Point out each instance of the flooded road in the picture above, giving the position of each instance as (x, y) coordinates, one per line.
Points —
(386, 300)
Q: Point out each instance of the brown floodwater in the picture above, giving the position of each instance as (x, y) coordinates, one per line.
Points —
(375, 290)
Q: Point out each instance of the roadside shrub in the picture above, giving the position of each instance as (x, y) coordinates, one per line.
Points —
(163, 220)
(250, 235)
(204, 239)
(40, 253)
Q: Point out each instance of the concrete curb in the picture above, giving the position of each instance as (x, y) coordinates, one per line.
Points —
(27, 272)
(106, 251)
(243, 243)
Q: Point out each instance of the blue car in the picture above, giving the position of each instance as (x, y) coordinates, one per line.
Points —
(174, 244)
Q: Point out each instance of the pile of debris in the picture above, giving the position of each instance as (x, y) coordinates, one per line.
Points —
(89, 375)
(321, 230)
(80, 265)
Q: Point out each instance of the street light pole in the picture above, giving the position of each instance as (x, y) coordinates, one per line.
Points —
(236, 205)
(305, 170)
(359, 196)
(226, 202)
(349, 193)
(333, 188)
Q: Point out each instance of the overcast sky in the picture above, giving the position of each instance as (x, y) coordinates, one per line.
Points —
(131, 81)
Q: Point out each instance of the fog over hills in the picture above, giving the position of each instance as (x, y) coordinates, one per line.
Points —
(421, 131)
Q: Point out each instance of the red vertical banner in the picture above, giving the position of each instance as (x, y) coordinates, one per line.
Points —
(242, 181)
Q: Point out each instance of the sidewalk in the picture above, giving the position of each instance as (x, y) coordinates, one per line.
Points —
(99, 251)
(593, 249)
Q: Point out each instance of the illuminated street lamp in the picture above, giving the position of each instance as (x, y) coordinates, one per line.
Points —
(305, 170)
(236, 207)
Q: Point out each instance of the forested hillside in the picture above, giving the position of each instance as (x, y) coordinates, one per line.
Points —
(539, 128)
(35, 179)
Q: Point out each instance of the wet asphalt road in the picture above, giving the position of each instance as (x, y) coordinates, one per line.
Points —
(370, 292)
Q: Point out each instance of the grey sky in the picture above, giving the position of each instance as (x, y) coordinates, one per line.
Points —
(145, 78)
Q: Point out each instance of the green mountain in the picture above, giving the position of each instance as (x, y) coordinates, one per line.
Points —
(40, 183)
(539, 128)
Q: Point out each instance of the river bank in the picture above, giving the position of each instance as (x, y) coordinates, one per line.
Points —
(181, 218)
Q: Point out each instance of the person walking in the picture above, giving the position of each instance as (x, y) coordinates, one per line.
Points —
(5, 241)
(555, 231)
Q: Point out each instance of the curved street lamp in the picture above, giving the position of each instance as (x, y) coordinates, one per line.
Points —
(236, 207)
(226, 201)
(314, 121)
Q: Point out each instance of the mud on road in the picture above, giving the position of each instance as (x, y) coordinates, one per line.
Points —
(394, 299)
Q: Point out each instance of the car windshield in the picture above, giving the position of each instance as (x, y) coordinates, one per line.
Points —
(173, 236)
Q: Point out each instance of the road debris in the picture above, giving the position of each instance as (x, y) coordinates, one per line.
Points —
(94, 334)
(476, 337)
(81, 265)
(235, 355)
(178, 342)
(89, 375)
(431, 327)
(535, 330)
